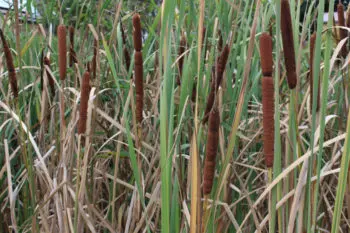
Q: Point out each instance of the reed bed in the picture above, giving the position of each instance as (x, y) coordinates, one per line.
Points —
(207, 135)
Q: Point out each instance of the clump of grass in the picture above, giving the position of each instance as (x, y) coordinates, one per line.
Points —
(288, 44)
(10, 66)
(62, 51)
(216, 80)
(312, 53)
(342, 32)
(211, 150)
(137, 35)
(84, 100)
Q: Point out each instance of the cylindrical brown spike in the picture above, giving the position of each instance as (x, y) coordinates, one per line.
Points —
(94, 59)
(10, 65)
(182, 49)
(137, 35)
(266, 54)
(312, 52)
(288, 44)
(49, 77)
(84, 101)
(220, 42)
(216, 81)
(72, 55)
(268, 119)
(62, 51)
(127, 58)
(342, 32)
(211, 151)
(139, 85)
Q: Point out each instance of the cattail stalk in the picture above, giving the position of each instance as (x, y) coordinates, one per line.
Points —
(137, 36)
(72, 54)
(216, 81)
(288, 44)
(62, 51)
(211, 151)
(84, 101)
(10, 65)
(312, 53)
(342, 32)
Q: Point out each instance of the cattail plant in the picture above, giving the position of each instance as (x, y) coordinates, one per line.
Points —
(267, 97)
(94, 59)
(182, 49)
(216, 80)
(84, 100)
(125, 49)
(211, 150)
(288, 44)
(312, 52)
(49, 77)
(62, 51)
(10, 65)
(137, 36)
(342, 32)
(72, 54)
(220, 42)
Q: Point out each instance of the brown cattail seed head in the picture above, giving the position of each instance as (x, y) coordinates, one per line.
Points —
(10, 65)
(136, 21)
(62, 51)
(342, 32)
(266, 54)
(211, 150)
(84, 101)
(139, 85)
(72, 54)
(216, 81)
(220, 42)
(288, 44)
(182, 49)
(268, 119)
(94, 59)
(50, 78)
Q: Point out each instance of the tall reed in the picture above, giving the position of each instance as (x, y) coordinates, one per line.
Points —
(137, 36)
(288, 44)
(10, 66)
(216, 80)
(211, 150)
(84, 100)
(62, 51)
(342, 32)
